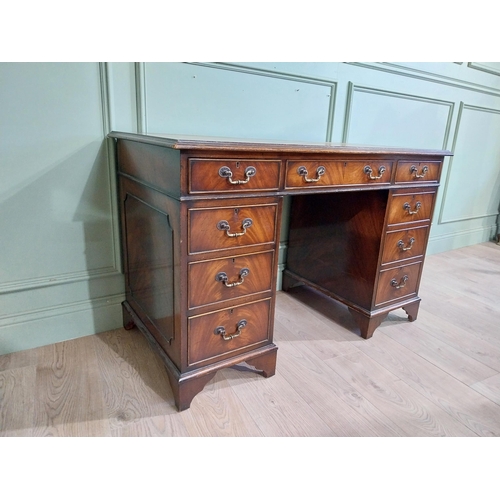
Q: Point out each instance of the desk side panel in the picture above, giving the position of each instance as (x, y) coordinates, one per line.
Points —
(152, 262)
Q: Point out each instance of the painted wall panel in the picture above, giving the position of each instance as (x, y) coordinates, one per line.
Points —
(122, 96)
(379, 117)
(54, 195)
(461, 233)
(194, 99)
(473, 184)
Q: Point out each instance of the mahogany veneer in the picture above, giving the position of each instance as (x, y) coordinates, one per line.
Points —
(200, 221)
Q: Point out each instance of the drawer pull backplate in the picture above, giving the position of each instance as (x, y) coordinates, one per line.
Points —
(401, 284)
(414, 171)
(408, 209)
(223, 225)
(220, 330)
(319, 172)
(369, 172)
(222, 276)
(228, 174)
(402, 247)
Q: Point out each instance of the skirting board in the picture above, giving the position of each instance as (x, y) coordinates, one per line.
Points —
(462, 239)
(46, 327)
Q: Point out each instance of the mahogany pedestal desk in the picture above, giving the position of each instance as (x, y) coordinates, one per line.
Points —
(200, 229)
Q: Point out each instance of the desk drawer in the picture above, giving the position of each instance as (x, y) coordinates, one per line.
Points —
(317, 174)
(408, 207)
(410, 171)
(213, 281)
(228, 331)
(404, 244)
(231, 227)
(233, 175)
(397, 283)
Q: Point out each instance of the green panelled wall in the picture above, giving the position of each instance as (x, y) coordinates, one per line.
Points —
(59, 250)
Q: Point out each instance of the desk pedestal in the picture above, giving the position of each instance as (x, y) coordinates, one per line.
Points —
(361, 248)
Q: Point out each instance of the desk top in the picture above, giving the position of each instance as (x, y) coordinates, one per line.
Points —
(194, 142)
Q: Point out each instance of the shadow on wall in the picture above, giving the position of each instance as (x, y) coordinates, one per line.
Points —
(98, 214)
(59, 275)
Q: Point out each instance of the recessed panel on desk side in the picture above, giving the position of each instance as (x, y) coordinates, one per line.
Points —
(150, 266)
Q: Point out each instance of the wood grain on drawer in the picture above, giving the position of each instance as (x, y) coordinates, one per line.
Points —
(316, 174)
(404, 244)
(410, 171)
(410, 207)
(233, 175)
(231, 227)
(228, 331)
(397, 283)
(213, 281)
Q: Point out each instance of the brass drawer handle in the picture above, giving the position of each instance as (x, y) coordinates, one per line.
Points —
(319, 172)
(408, 209)
(222, 276)
(220, 330)
(369, 172)
(402, 247)
(223, 225)
(401, 284)
(228, 174)
(414, 170)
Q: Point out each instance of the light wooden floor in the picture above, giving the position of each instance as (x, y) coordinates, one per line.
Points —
(438, 376)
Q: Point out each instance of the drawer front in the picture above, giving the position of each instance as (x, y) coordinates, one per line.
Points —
(410, 171)
(397, 283)
(233, 175)
(316, 174)
(231, 227)
(404, 244)
(410, 207)
(228, 331)
(214, 281)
